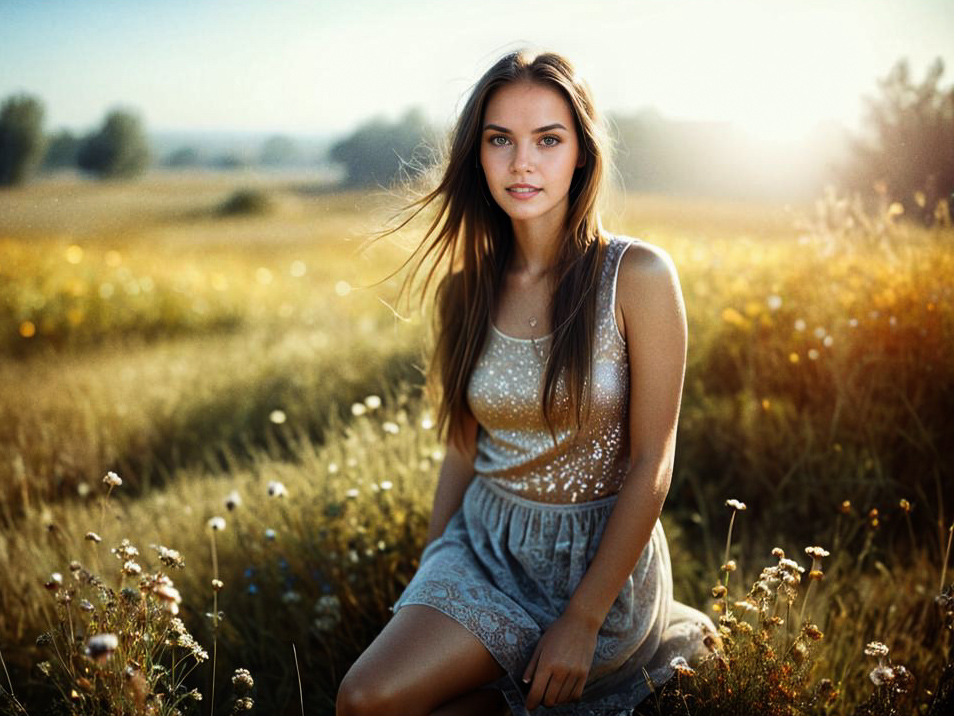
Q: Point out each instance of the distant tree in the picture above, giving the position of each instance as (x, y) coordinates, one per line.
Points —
(377, 150)
(118, 150)
(278, 150)
(229, 160)
(62, 150)
(910, 156)
(183, 157)
(21, 138)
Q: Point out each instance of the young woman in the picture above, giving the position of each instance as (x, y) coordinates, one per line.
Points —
(560, 358)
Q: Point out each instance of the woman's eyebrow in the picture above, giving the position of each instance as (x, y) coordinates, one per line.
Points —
(547, 128)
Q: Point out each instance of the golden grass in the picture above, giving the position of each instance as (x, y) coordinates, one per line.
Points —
(818, 373)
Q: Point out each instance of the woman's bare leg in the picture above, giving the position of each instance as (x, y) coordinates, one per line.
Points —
(420, 661)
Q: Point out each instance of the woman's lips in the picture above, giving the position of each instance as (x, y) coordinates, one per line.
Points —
(523, 192)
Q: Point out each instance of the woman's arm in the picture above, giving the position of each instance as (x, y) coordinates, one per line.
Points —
(656, 339)
(457, 471)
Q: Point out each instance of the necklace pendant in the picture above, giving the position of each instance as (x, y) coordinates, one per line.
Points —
(533, 322)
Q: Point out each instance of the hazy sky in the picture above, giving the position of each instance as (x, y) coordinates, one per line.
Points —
(321, 66)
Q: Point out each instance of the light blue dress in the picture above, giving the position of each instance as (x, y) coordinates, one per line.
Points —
(532, 518)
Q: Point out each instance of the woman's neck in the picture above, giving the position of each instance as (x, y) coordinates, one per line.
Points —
(536, 247)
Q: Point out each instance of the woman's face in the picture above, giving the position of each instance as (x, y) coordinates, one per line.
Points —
(529, 151)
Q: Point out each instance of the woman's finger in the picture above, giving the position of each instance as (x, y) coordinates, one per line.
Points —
(566, 691)
(532, 665)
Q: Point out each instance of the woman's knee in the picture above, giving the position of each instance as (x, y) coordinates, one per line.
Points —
(362, 696)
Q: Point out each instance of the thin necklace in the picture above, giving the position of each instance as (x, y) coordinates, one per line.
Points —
(533, 339)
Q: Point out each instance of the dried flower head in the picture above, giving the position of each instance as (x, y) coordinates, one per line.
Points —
(131, 568)
(233, 500)
(112, 479)
(100, 647)
(905, 505)
(217, 585)
(216, 524)
(778, 553)
(876, 648)
(93, 537)
(276, 489)
(845, 507)
(169, 557)
(735, 504)
(882, 675)
(242, 681)
(729, 566)
(719, 591)
(816, 552)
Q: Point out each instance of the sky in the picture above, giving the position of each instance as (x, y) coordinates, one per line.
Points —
(320, 67)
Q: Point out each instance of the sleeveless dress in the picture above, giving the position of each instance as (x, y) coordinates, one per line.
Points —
(532, 518)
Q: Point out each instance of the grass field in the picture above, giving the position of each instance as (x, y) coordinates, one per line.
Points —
(230, 366)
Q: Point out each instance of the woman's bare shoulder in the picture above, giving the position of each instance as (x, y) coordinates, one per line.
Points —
(647, 284)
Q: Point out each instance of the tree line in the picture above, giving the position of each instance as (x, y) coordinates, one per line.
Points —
(908, 153)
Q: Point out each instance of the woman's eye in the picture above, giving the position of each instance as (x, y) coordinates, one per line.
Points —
(503, 140)
(550, 141)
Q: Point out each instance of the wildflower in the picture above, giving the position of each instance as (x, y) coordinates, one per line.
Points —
(167, 594)
(131, 568)
(277, 417)
(882, 675)
(729, 566)
(386, 484)
(735, 505)
(216, 524)
(169, 557)
(56, 580)
(242, 681)
(125, 550)
(876, 648)
(86, 606)
(233, 500)
(269, 534)
(352, 493)
(100, 647)
(93, 537)
(112, 479)
(373, 402)
(358, 409)
(812, 632)
(816, 575)
(718, 591)
(217, 585)
(905, 505)
(244, 704)
(799, 652)
(332, 468)
(778, 553)
(390, 427)
(276, 489)
(681, 666)
(816, 552)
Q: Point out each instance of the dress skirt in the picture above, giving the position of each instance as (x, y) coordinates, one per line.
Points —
(505, 568)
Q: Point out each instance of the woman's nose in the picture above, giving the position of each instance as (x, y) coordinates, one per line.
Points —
(521, 160)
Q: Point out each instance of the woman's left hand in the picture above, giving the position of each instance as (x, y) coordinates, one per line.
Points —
(561, 662)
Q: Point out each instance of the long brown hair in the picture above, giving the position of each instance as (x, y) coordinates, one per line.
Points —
(474, 235)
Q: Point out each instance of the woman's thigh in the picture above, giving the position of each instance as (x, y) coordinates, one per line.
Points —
(421, 660)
